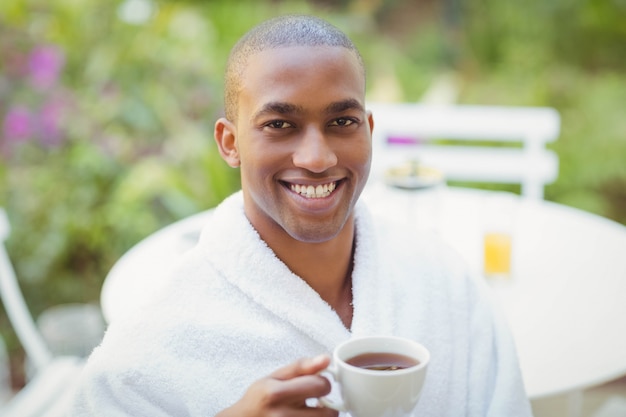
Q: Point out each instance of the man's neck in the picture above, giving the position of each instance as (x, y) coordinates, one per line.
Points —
(326, 267)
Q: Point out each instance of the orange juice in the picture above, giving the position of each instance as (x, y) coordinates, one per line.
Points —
(497, 248)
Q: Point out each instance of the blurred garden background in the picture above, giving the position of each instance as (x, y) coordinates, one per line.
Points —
(107, 109)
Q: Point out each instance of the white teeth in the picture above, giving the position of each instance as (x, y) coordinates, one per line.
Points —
(309, 191)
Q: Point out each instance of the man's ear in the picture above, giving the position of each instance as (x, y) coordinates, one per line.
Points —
(370, 121)
(225, 137)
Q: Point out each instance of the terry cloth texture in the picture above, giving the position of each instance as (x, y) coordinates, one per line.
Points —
(232, 312)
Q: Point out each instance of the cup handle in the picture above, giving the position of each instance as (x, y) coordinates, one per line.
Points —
(330, 373)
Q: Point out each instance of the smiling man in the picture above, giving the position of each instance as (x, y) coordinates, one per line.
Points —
(300, 134)
(293, 264)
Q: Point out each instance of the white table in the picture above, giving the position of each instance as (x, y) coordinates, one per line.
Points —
(564, 302)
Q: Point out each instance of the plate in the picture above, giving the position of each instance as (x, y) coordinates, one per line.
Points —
(413, 176)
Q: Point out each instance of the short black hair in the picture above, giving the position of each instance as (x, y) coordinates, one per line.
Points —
(282, 31)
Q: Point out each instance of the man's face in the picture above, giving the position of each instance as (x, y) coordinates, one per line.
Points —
(303, 140)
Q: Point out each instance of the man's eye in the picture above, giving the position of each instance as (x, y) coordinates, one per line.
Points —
(279, 124)
(342, 121)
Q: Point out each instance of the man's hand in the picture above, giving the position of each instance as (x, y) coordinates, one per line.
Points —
(284, 392)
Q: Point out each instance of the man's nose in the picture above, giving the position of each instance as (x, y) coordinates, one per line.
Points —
(314, 152)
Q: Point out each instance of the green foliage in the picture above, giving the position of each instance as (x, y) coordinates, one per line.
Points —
(535, 33)
(117, 144)
(564, 54)
(592, 148)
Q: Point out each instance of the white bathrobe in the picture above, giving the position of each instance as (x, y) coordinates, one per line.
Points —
(232, 313)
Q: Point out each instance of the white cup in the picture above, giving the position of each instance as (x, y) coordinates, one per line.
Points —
(377, 393)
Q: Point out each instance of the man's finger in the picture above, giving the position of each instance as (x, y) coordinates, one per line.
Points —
(305, 366)
(306, 386)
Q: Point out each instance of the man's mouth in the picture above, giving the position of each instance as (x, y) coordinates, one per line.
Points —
(314, 191)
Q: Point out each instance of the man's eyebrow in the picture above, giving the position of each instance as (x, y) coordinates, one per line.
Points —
(277, 107)
(341, 106)
(283, 108)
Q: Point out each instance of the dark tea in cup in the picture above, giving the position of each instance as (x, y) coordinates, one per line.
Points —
(382, 361)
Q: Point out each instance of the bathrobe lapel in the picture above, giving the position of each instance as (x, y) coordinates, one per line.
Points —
(245, 261)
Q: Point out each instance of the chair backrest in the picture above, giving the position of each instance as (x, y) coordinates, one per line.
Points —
(15, 306)
(469, 143)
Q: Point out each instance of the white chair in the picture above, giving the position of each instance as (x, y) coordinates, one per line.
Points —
(49, 391)
(407, 131)
(23, 324)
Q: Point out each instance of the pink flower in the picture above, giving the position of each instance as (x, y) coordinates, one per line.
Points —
(44, 65)
(18, 124)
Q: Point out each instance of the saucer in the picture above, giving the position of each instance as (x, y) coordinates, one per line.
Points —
(413, 176)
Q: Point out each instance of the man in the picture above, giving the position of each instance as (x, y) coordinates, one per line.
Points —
(292, 265)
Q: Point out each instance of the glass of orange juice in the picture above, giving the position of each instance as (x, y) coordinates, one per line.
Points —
(499, 214)
(497, 254)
